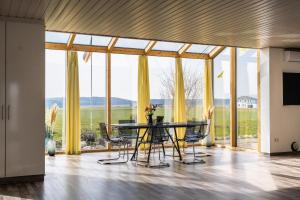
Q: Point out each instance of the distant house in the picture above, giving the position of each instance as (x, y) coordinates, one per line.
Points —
(246, 102)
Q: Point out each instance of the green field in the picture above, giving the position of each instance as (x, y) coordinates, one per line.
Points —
(91, 116)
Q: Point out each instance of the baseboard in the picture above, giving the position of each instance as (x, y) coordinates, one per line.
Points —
(289, 153)
(22, 179)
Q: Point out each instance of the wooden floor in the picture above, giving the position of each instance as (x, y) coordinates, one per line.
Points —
(226, 175)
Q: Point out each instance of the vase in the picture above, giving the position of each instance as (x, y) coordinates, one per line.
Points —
(150, 119)
(208, 141)
(51, 146)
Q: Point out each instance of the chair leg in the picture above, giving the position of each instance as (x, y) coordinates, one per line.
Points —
(163, 147)
(194, 150)
(127, 152)
(158, 153)
(173, 151)
(113, 160)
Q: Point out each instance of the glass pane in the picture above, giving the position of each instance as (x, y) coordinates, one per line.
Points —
(132, 43)
(167, 46)
(57, 37)
(55, 96)
(221, 83)
(83, 39)
(162, 83)
(85, 100)
(193, 70)
(198, 48)
(100, 40)
(91, 105)
(247, 98)
(123, 87)
(97, 113)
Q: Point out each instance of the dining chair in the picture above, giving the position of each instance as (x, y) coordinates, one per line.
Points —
(158, 136)
(193, 135)
(129, 134)
(114, 141)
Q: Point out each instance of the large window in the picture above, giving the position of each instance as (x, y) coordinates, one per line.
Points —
(55, 95)
(247, 98)
(123, 87)
(221, 87)
(193, 70)
(92, 99)
(162, 83)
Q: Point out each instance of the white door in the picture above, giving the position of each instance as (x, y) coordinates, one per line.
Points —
(2, 99)
(25, 99)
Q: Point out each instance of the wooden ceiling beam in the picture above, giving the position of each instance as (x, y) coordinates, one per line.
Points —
(216, 51)
(149, 46)
(129, 51)
(112, 43)
(71, 40)
(184, 48)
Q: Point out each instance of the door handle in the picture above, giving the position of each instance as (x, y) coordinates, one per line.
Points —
(8, 112)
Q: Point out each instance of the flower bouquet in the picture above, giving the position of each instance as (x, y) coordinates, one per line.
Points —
(149, 110)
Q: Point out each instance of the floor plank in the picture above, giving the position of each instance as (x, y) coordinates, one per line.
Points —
(225, 175)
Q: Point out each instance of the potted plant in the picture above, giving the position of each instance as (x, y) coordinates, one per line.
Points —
(50, 123)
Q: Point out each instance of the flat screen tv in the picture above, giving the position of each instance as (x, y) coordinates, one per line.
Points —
(291, 88)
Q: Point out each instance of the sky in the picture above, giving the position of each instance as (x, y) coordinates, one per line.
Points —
(125, 69)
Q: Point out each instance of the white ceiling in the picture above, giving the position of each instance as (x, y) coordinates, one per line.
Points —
(244, 23)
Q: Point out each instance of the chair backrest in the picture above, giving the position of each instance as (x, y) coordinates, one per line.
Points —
(125, 121)
(159, 119)
(199, 131)
(103, 131)
(124, 131)
(190, 130)
(160, 134)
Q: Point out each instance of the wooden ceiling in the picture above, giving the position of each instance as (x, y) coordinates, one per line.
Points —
(242, 23)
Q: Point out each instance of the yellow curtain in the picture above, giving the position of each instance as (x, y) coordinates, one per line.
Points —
(72, 105)
(208, 101)
(143, 91)
(179, 98)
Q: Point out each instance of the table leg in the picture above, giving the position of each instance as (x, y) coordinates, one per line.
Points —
(137, 143)
(178, 148)
(150, 146)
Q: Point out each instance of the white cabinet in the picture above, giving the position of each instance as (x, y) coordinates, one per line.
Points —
(24, 98)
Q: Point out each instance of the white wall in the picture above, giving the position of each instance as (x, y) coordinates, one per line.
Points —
(278, 121)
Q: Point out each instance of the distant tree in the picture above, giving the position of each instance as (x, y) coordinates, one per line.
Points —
(193, 85)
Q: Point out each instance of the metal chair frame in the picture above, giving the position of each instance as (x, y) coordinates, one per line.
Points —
(117, 141)
(193, 135)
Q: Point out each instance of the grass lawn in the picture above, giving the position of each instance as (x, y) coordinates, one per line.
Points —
(91, 116)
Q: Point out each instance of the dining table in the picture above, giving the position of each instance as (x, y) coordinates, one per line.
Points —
(145, 128)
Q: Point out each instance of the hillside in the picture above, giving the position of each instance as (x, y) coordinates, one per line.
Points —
(100, 101)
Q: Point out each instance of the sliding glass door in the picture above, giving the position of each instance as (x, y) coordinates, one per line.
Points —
(247, 98)
(221, 88)
(92, 99)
